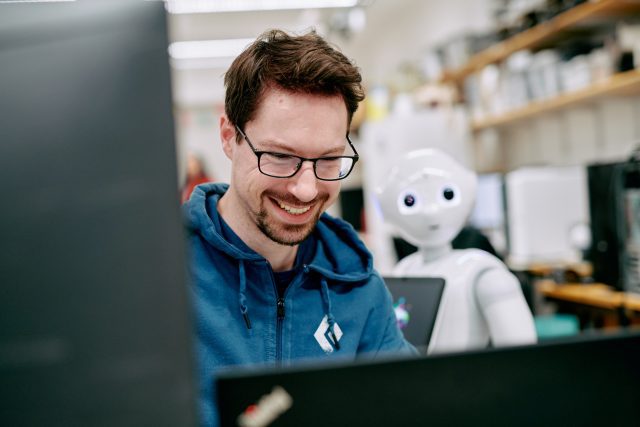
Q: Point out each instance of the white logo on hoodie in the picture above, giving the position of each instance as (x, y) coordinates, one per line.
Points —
(323, 336)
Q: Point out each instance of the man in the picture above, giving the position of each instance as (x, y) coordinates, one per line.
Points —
(275, 279)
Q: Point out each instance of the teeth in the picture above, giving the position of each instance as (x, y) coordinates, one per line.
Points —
(292, 210)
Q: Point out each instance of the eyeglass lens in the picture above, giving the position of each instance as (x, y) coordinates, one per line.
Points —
(284, 166)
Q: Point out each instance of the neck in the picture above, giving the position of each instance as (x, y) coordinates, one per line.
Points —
(433, 253)
(280, 257)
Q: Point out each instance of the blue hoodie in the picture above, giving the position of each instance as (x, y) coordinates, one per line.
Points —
(336, 306)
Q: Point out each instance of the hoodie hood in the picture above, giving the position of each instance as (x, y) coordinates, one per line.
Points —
(339, 253)
(201, 216)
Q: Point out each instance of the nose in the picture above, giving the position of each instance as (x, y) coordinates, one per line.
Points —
(304, 185)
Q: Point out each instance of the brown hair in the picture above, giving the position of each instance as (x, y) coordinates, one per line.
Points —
(305, 63)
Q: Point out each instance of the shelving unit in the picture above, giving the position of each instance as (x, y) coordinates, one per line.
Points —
(582, 15)
(627, 83)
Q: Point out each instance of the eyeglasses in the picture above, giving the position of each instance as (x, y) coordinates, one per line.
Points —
(280, 165)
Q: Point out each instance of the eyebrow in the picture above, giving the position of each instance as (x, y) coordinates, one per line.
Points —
(278, 147)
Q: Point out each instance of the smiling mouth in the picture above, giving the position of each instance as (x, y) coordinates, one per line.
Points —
(434, 227)
(291, 210)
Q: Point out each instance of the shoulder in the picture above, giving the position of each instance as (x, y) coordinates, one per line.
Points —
(408, 265)
(478, 256)
(495, 280)
(340, 250)
(372, 290)
(333, 225)
(376, 280)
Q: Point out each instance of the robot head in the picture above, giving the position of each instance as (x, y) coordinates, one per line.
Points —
(427, 197)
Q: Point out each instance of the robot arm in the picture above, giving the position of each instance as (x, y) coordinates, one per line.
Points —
(505, 310)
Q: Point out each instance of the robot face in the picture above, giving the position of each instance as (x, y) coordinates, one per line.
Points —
(428, 197)
(444, 194)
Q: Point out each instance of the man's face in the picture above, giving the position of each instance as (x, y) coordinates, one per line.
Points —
(287, 209)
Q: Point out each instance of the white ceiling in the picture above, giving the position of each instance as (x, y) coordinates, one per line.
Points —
(395, 31)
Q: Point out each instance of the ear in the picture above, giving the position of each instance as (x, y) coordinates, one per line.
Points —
(227, 136)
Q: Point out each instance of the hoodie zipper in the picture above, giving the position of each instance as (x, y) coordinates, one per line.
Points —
(280, 312)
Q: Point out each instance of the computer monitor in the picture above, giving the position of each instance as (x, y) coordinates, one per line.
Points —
(93, 303)
(606, 201)
(547, 207)
(489, 211)
(614, 205)
(589, 380)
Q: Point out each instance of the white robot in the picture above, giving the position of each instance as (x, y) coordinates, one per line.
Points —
(428, 197)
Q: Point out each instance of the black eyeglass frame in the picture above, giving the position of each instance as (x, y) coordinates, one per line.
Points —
(301, 159)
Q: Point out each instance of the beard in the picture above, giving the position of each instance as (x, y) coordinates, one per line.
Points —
(287, 234)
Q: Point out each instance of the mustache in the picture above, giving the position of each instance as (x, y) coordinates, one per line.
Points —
(292, 200)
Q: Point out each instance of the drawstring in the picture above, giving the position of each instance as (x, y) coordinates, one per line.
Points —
(327, 308)
(243, 299)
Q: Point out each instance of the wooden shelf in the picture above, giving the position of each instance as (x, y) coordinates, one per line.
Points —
(584, 14)
(627, 83)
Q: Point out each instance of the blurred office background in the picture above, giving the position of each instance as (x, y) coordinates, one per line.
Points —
(540, 97)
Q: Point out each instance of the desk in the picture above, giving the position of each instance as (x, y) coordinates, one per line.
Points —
(592, 294)
(531, 273)
(581, 269)
(613, 308)
(632, 302)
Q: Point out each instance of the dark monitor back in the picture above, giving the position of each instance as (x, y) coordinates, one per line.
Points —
(605, 183)
(583, 382)
(93, 303)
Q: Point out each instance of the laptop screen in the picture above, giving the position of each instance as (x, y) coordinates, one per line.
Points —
(416, 301)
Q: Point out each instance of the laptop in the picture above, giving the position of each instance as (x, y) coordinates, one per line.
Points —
(93, 301)
(416, 301)
(589, 380)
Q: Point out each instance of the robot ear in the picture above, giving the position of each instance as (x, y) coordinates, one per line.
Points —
(377, 206)
(383, 200)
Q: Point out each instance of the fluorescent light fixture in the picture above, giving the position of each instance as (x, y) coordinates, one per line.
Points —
(201, 64)
(209, 6)
(34, 1)
(226, 48)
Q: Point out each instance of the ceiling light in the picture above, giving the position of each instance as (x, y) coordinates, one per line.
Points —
(34, 1)
(226, 48)
(208, 6)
